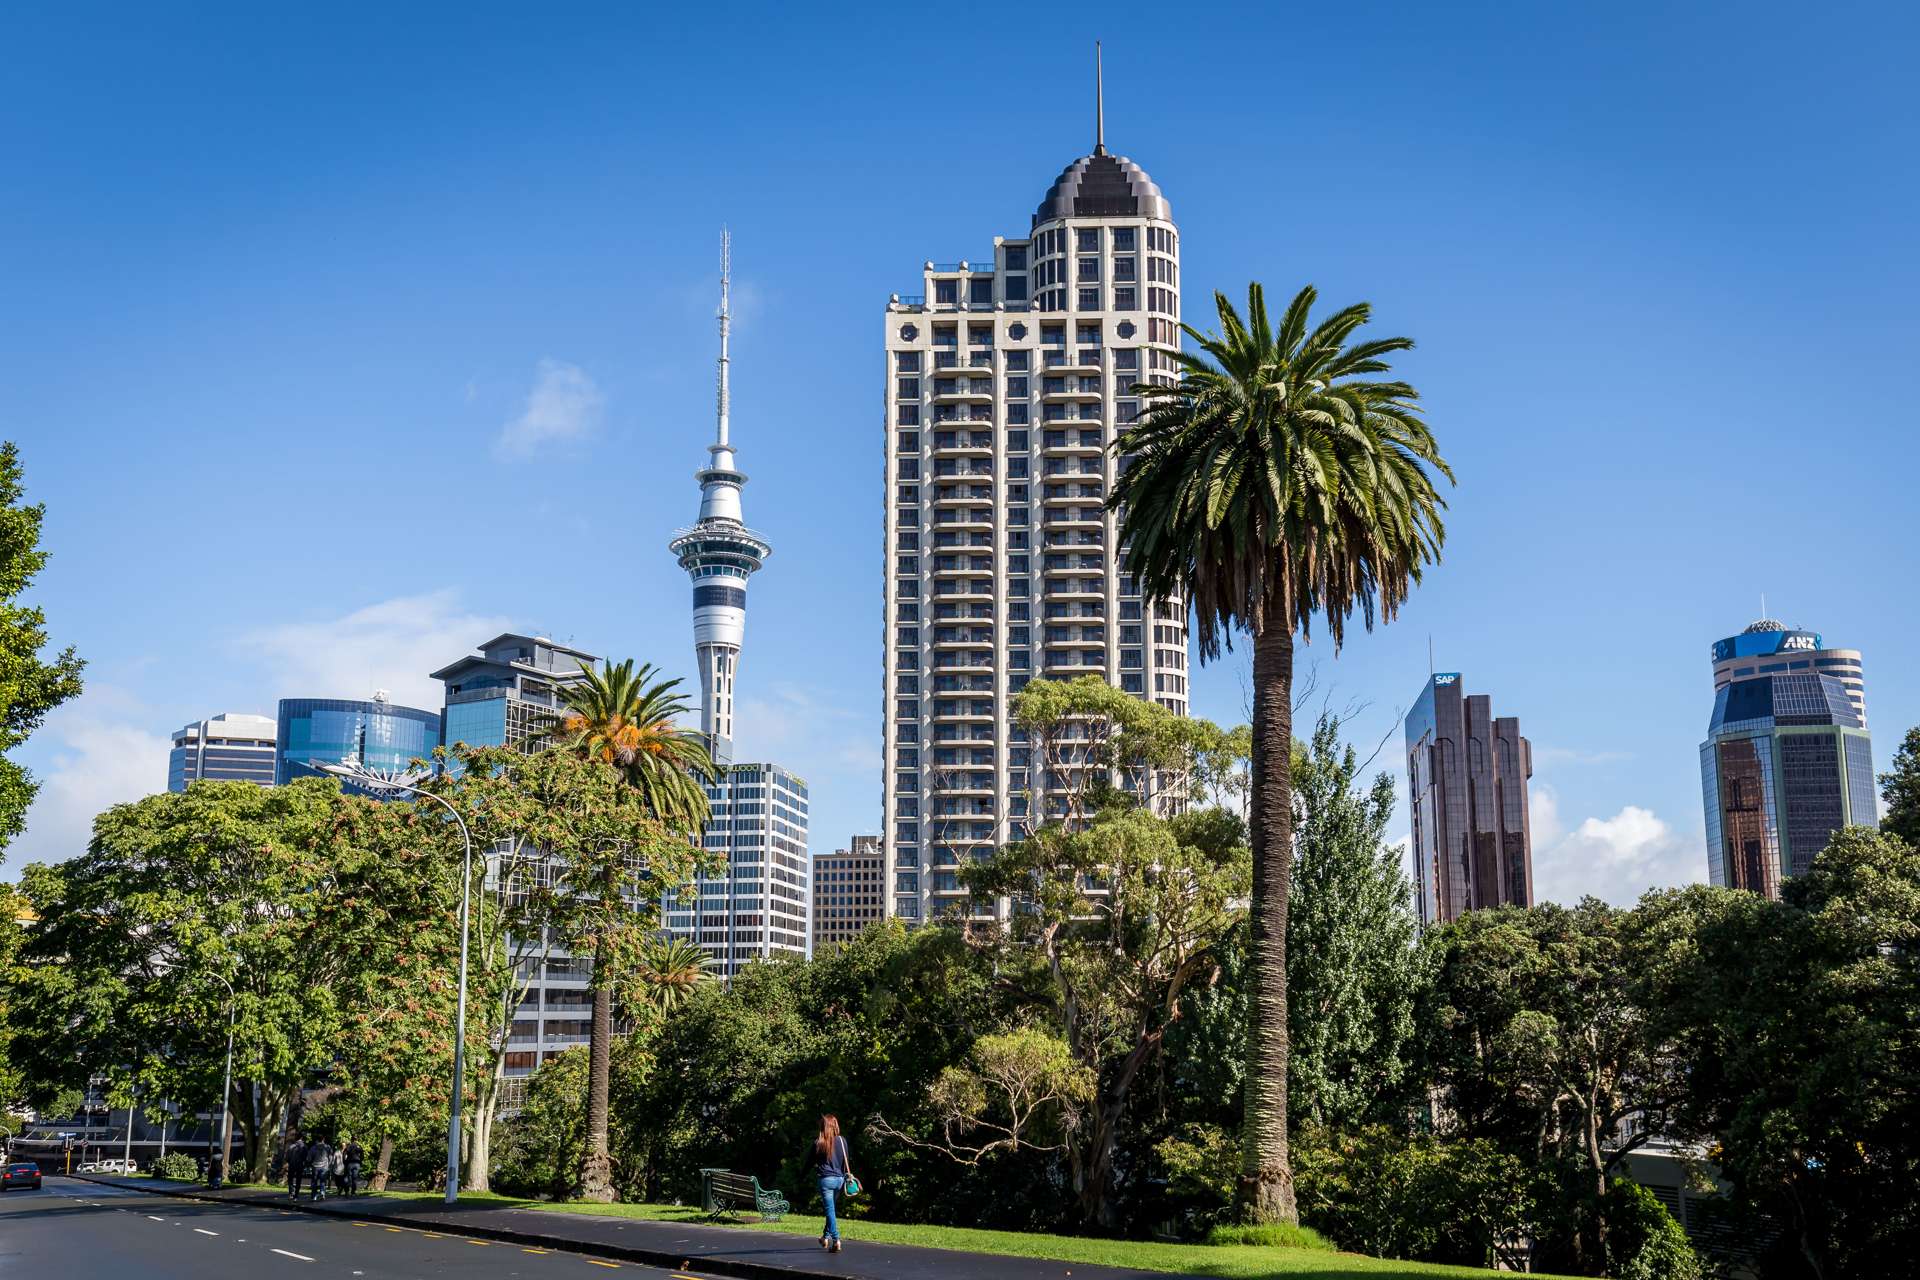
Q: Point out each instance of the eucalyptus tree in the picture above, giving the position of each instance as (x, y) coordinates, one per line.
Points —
(1278, 481)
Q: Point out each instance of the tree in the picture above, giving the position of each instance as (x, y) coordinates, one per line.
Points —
(1900, 788)
(13, 916)
(1799, 1022)
(606, 861)
(298, 896)
(1019, 1088)
(1278, 481)
(1354, 966)
(29, 687)
(1121, 916)
(670, 970)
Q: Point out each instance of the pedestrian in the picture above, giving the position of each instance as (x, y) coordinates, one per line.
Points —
(319, 1166)
(296, 1154)
(829, 1158)
(339, 1169)
(355, 1157)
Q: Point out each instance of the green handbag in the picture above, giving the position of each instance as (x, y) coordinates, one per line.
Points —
(852, 1188)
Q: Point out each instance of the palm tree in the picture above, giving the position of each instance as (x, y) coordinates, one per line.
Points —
(1278, 481)
(628, 720)
(671, 969)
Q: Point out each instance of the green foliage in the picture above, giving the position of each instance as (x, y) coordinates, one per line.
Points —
(1799, 1022)
(1900, 788)
(177, 1166)
(29, 686)
(1015, 1088)
(541, 1147)
(1643, 1240)
(627, 719)
(309, 903)
(1271, 1235)
(1378, 1191)
(1354, 967)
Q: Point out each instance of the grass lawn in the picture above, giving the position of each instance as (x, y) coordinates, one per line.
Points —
(1230, 1262)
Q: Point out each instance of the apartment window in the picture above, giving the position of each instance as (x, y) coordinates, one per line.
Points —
(1123, 239)
(905, 612)
(1016, 388)
(1089, 300)
(1016, 288)
(1087, 239)
(1089, 269)
(909, 442)
(1017, 360)
(1016, 440)
(908, 389)
(1016, 257)
(1016, 468)
(1016, 416)
(909, 470)
(909, 415)
(1126, 298)
(909, 542)
(1123, 268)
(1127, 358)
(946, 292)
(907, 361)
(980, 291)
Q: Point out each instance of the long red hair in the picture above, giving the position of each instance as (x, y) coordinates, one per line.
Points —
(829, 1131)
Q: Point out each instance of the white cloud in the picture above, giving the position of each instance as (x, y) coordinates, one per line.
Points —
(564, 405)
(391, 645)
(103, 755)
(1616, 859)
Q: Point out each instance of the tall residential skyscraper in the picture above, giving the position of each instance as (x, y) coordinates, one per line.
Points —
(756, 907)
(1787, 761)
(1467, 770)
(1005, 381)
(849, 892)
(720, 553)
(229, 747)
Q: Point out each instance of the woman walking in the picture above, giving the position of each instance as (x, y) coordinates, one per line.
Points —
(835, 1171)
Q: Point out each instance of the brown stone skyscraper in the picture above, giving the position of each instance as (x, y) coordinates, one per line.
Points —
(1472, 846)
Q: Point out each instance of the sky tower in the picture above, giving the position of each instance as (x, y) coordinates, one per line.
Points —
(720, 553)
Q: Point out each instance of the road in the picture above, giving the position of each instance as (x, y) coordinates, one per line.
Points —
(73, 1230)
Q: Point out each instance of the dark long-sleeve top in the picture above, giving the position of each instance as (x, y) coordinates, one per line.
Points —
(831, 1165)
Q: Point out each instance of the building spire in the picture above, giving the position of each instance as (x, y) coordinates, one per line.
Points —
(726, 326)
(1099, 102)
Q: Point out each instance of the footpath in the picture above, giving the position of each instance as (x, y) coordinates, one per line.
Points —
(714, 1250)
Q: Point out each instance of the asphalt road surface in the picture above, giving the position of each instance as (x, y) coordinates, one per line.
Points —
(73, 1230)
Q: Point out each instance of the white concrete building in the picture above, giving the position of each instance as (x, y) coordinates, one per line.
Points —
(229, 747)
(1006, 378)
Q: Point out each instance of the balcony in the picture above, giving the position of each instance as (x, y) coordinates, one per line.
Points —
(956, 442)
(1075, 493)
(962, 637)
(951, 494)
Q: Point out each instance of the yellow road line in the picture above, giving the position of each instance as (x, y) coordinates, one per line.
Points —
(482, 1243)
(596, 1262)
(395, 1230)
(533, 1251)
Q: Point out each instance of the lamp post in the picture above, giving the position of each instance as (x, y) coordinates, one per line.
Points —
(379, 780)
(226, 1092)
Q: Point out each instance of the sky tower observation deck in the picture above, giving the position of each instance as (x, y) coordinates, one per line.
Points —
(719, 554)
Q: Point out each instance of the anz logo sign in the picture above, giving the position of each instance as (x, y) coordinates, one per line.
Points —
(1800, 641)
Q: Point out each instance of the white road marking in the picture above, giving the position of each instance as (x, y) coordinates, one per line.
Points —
(287, 1253)
(156, 1219)
(203, 1231)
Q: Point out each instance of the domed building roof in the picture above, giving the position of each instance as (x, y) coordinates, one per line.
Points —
(1103, 185)
(1766, 624)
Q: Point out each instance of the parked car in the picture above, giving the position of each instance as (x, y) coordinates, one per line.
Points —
(118, 1166)
(20, 1173)
(91, 1166)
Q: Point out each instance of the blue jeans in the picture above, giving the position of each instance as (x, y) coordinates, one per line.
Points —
(829, 1185)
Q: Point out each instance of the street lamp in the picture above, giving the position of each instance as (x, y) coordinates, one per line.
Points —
(226, 1093)
(385, 780)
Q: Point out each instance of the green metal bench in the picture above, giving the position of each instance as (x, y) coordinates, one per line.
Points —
(724, 1189)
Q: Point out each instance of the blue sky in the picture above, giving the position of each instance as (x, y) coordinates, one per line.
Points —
(337, 341)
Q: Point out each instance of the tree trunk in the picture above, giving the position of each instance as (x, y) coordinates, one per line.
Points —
(1266, 1171)
(382, 1168)
(596, 1168)
(486, 1105)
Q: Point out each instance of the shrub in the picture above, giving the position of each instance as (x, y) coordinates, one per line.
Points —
(1274, 1235)
(1643, 1240)
(176, 1166)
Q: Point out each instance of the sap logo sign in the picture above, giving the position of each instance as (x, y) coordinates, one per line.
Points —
(1797, 642)
(1445, 679)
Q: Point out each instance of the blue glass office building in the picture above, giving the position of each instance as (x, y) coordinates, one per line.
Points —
(376, 734)
(1787, 761)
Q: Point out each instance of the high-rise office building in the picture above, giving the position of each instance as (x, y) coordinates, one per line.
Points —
(376, 734)
(849, 892)
(508, 694)
(229, 747)
(1787, 760)
(1467, 770)
(1006, 380)
(756, 906)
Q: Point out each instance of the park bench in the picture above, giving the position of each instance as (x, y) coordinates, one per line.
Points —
(722, 1189)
